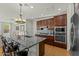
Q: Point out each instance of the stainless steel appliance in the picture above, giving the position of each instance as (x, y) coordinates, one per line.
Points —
(73, 40)
(60, 29)
(60, 34)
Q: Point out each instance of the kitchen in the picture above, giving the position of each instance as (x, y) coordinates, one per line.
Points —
(45, 24)
(54, 30)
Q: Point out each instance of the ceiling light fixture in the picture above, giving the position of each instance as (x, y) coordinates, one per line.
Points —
(20, 20)
(59, 9)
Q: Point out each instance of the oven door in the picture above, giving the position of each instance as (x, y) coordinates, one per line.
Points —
(60, 37)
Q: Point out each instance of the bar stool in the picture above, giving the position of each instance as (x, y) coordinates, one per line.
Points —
(6, 47)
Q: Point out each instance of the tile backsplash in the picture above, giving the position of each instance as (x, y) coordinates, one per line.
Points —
(45, 31)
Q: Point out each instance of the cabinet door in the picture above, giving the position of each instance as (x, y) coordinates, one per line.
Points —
(43, 22)
(51, 23)
(56, 21)
(48, 23)
(65, 20)
(40, 23)
(60, 20)
(37, 23)
(50, 38)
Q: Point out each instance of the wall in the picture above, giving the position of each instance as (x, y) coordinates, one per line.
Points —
(70, 12)
(29, 27)
(10, 22)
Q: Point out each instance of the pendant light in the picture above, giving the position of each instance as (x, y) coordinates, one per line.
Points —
(20, 20)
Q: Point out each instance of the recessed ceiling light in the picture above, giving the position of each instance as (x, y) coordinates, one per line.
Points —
(59, 9)
(31, 7)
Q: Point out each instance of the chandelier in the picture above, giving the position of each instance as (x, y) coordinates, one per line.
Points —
(20, 20)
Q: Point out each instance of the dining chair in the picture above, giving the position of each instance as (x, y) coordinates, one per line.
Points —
(6, 47)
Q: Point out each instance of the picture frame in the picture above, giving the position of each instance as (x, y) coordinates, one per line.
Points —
(6, 27)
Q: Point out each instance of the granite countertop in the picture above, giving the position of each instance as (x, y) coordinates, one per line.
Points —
(28, 42)
(45, 34)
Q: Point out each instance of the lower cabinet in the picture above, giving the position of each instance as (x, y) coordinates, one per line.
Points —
(49, 40)
(61, 45)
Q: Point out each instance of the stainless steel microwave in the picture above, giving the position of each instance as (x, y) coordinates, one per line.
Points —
(60, 29)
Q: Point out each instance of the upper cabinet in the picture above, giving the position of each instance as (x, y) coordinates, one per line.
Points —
(42, 23)
(51, 23)
(60, 20)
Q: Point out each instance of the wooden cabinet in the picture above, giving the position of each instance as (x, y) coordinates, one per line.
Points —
(46, 22)
(51, 23)
(38, 23)
(60, 20)
(42, 23)
(49, 40)
(61, 45)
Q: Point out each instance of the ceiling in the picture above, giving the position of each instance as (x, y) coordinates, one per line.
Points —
(11, 10)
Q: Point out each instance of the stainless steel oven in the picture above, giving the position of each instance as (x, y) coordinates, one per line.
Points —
(60, 34)
(60, 29)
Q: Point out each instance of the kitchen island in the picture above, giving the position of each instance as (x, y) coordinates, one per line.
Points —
(32, 43)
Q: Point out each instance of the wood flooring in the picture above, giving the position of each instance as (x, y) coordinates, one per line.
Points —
(55, 51)
(50, 51)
